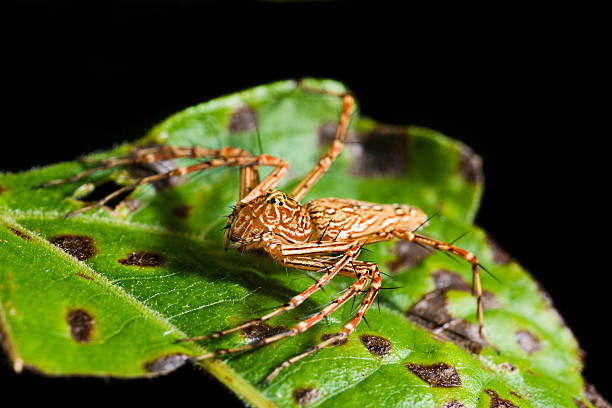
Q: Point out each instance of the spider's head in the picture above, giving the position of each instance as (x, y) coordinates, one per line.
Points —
(274, 212)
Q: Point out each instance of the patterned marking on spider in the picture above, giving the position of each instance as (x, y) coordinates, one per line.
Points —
(295, 235)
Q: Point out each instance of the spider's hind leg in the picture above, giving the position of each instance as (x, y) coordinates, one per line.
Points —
(462, 253)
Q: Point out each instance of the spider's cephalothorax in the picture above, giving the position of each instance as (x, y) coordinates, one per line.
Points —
(306, 237)
(271, 216)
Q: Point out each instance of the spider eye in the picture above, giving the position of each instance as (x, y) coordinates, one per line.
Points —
(272, 201)
(280, 203)
(267, 194)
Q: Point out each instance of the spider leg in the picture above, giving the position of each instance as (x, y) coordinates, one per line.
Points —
(224, 160)
(324, 162)
(359, 285)
(373, 290)
(150, 155)
(331, 269)
(468, 256)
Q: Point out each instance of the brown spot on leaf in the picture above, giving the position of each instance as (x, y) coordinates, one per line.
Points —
(20, 234)
(379, 346)
(470, 165)
(450, 281)
(82, 275)
(303, 396)
(516, 394)
(408, 255)
(338, 342)
(165, 364)
(508, 367)
(594, 397)
(436, 375)
(527, 341)
(243, 119)
(580, 404)
(81, 247)
(381, 152)
(182, 211)
(2, 189)
(144, 259)
(260, 331)
(453, 404)
(500, 256)
(81, 325)
(431, 313)
(497, 402)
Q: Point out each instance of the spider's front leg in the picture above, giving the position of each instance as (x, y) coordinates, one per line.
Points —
(227, 156)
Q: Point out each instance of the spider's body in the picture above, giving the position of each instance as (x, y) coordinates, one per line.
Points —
(325, 235)
(276, 218)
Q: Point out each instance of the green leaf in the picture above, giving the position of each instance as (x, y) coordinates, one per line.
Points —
(107, 295)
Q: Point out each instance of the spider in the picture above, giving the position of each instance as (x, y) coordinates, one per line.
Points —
(303, 236)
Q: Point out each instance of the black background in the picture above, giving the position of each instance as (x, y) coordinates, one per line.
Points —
(523, 88)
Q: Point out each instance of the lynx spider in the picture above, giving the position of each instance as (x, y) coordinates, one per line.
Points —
(296, 235)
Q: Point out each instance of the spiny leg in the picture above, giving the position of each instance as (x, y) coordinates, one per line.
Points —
(373, 290)
(331, 269)
(150, 155)
(359, 285)
(323, 164)
(468, 256)
(264, 159)
(249, 179)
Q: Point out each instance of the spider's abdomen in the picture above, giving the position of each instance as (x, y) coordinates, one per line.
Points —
(341, 219)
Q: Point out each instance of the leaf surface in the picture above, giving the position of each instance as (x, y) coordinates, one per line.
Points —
(107, 295)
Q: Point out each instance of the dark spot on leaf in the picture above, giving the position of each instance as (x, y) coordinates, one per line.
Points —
(260, 331)
(81, 325)
(303, 396)
(499, 255)
(381, 152)
(580, 404)
(450, 281)
(408, 255)
(379, 346)
(431, 313)
(497, 402)
(338, 342)
(436, 375)
(101, 191)
(453, 404)
(159, 167)
(508, 367)
(182, 211)
(470, 165)
(594, 397)
(165, 364)
(20, 234)
(243, 119)
(2, 189)
(144, 259)
(516, 394)
(82, 275)
(81, 247)
(527, 341)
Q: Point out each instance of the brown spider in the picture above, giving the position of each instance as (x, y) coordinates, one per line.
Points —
(296, 235)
